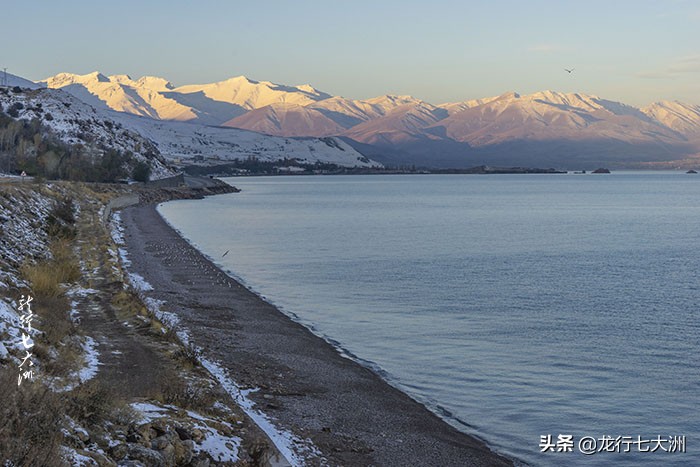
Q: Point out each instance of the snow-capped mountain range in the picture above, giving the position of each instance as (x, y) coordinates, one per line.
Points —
(135, 121)
(564, 129)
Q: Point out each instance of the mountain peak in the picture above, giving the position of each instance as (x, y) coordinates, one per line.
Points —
(65, 79)
(240, 79)
(394, 99)
(120, 79)
(154, 82)
(509, 95)
(307, 88)
(97, 76)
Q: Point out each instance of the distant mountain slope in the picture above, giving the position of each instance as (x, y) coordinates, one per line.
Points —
(287, 120)
(400, 124)
(153, 97)
(251, 94)
(547, 116)
(77, 122)
(683, 118)
(13, 80)
(142, 97)
(565, 129)
(180, 141)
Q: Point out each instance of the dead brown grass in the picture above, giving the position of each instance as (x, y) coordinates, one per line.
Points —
(46, 277)
(91, 402)
(30, 422)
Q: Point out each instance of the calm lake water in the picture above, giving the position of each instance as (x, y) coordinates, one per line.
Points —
(515, 306)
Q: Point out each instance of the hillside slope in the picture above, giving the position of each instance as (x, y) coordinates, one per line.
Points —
(165, 141)
(565, 129)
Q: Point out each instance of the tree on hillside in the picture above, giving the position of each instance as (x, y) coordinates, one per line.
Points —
(141, 171)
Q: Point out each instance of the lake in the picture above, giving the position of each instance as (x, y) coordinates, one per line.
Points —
(514, 306)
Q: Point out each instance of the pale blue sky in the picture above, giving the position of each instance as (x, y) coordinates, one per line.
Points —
(441, 51)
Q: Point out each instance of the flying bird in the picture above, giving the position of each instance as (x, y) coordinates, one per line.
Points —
(568, 71)
(225, 253)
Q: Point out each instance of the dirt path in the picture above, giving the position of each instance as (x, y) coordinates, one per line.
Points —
(351, 414)
(132, 362)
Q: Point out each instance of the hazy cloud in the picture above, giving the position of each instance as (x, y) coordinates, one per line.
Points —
(686, 65)
(680, 66)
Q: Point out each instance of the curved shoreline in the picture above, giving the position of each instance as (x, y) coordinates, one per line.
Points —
(349, 412)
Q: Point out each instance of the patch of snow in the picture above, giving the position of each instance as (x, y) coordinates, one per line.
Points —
(221, 448)
(149, 412)
(91, 360)
(11, 330)
(86, 373)
(139, 283)
(80, 292)
(76, 459)
(222, 407)
(293, 448)
(168, 318)
(117, 230)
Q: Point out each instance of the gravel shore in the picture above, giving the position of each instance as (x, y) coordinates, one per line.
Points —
(352, 416)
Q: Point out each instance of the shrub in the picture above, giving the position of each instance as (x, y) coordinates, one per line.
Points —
(65, 210)
(141, 171)
(91, 402)
(30, 422)
(60, 221)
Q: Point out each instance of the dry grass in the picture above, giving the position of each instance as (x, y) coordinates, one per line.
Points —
(194, 394)
(187, 355)
(91, 402)
(30, 422)
(51, 305)
(46, 277)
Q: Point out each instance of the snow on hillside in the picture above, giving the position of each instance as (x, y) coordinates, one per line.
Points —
(187, 141)
(209, 104)
(22, 215)
(251, 94)
(399, 123)
(550, 115)
(13, 80)
(76, 122)
(329, 117)
(684, 118)
(287, 120)
(144, 96)
(455, 107)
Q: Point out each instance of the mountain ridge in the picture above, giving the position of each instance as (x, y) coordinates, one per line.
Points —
(162, 143)
(406, 124)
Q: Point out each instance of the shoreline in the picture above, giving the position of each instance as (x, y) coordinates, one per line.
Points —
(350, 414)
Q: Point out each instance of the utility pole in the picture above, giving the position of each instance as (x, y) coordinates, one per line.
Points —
(4, 77)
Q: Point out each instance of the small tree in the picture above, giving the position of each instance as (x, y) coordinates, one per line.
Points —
(141, 171)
